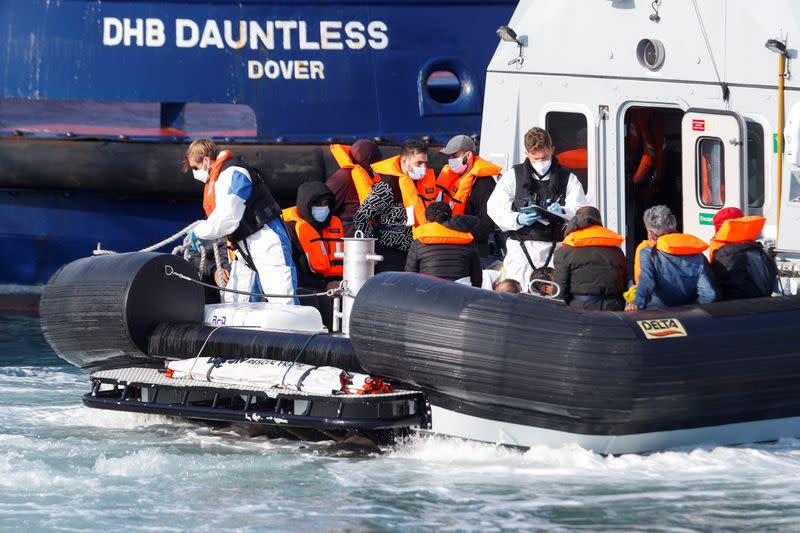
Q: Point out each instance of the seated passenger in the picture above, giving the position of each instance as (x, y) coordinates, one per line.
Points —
(741, 267)
(590, 267)
(444, 246)
(353, 182)
(539, 275)
(508, 285)
(315, 234)
(673, 272)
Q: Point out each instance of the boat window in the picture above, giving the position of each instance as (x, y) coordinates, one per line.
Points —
(710, 172)
(794, 188)
(443, 86)
(755, 164)
(569, 133)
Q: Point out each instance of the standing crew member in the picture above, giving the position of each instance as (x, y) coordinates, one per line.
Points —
(238, 204)
(395, 205)
(540, 181)
(466, 182)
(353, 182)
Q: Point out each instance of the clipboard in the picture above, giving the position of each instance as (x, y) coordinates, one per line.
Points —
(557, 218)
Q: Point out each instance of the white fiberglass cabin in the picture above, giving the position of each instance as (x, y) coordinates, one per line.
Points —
(675, 102)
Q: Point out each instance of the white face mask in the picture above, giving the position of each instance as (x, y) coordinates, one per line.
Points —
(457, 164)
(542, 167)
(320, 213)
(417, 173)
(200, 175)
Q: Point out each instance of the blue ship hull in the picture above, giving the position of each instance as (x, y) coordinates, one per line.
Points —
(98, 100)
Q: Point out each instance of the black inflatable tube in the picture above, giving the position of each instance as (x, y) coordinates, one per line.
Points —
(527, 360)
(98, 312)
(185, 340)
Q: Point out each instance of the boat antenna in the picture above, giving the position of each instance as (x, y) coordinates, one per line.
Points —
(724, 86)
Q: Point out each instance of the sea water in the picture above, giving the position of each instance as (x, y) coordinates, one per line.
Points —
(64, 466)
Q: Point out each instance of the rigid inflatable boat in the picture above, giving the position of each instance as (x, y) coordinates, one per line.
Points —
(466, 362)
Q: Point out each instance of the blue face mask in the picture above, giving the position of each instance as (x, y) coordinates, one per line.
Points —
(320, 213)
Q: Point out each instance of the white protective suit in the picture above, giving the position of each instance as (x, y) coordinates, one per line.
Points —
(269, 247)
(499, 208)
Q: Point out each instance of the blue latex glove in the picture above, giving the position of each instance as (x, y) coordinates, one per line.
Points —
(526, 219)
(197, 243)
(556, 207)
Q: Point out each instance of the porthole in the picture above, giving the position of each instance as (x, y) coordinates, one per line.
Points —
(443, 86)
(650, 53)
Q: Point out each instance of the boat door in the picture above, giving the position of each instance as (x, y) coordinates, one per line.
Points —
(713, 167)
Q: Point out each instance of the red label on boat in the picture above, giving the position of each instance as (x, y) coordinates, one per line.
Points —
(698, 125)
(662, 328)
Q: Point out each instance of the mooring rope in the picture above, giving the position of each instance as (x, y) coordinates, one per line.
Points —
(157, 245)
(336, 291)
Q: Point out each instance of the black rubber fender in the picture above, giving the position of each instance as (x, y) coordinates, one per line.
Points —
(98, 312)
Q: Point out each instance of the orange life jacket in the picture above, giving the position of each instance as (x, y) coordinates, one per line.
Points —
(319, 249)
(735, 230)
(362, 179)
(680, 244)
(674, 243)
(435, 233)
(593, 236)
(576, 159)
(416, 195)
(636, 266)
(456, 188)
(290, 214)
(209, 194)
(652, 144)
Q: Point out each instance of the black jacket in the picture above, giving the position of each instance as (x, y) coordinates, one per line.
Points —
(482, 189)
(448, 261)
(591, 270)
(743, 270)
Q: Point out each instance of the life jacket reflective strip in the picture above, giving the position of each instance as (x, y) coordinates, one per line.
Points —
(735, 230)
(594, 236)
(456, 188)
(680, 244)
(636, 266)
(320, 249)
(290, 214)
(416, 195)
(577, 159)
(362, 180)
(209, 194)
(435, 233)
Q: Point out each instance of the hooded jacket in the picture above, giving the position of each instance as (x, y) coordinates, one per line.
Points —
(325, 241)
(363, 153)
(590, 264)
(454, 255)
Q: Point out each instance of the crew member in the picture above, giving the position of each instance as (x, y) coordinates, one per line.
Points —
(397, 203)
(444, 246)
(466, 182)
(538, 181)
(238, 204)
(353, 182)
(741, 267)
(674, 272)
(590, 267)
